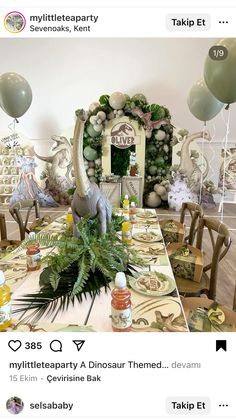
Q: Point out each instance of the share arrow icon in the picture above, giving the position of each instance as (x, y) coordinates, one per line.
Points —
(78, 344)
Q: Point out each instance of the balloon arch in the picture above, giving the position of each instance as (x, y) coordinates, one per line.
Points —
(156, 122)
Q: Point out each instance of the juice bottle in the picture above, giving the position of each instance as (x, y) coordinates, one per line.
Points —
(33, 255)
(69, 217)
(127, 231)
(133, 213)
(126, 205)
(121, 305)
(5, 303)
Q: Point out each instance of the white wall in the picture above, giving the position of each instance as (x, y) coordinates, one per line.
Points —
(66, 74)
(69, 73)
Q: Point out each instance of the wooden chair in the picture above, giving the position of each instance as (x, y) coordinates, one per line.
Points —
(220, 242)
(196, 302)
(4, 243)
(16, 212)
(196, 213)
(234, 303)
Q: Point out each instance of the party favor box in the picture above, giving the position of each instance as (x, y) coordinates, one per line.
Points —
(172, 231)
(186, 261)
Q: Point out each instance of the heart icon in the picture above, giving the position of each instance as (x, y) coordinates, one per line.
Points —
(14, 345)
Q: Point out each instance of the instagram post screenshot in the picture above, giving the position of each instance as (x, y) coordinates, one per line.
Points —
(117, 209)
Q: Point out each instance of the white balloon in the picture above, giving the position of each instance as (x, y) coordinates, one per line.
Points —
(101, 115)
(93, 119)
(117, 100)
(160, 135)
(91, 171)
(94, 106)
(98, 162)
(97, 128)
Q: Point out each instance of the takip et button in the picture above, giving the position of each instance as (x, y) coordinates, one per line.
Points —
(188, 405)
(188, 22)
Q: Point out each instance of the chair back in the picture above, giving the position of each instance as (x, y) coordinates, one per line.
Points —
(234, 303)
(3, 228)
(196, 212)
(16, 212)
(219, 243)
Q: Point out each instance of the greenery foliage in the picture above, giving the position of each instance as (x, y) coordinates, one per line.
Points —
(78, 268)
(158, 157)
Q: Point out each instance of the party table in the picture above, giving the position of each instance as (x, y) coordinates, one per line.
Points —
(150, 312)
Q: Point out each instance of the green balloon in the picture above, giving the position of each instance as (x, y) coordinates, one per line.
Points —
(92, 131)
(140, 97)
(15, 94)
(90, 154)
(201, 102)
(151, 150)
(160, 161)
(152, 170)
(220, 75)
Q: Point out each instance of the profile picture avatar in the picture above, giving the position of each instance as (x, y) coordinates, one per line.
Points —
(14, 405)
(14, 22)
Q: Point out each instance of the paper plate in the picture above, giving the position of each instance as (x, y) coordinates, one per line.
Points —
(153, 283)
(146, 214)
(151, 237)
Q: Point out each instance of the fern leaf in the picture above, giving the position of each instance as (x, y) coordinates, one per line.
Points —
(84, 268)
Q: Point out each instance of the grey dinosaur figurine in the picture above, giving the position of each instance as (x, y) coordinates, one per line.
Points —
(88, 199)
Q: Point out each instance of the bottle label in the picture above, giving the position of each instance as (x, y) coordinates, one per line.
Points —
(133, 218)
(5, 313)
(33, 261)
(121, 319)
(127, 237)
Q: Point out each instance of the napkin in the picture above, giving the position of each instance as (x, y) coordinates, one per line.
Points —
(215, 314)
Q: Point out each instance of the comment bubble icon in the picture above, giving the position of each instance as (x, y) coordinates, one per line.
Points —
(56, 345)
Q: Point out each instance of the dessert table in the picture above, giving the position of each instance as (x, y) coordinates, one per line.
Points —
(151, 312)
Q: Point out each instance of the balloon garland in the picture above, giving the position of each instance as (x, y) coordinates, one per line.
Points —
(155, 120)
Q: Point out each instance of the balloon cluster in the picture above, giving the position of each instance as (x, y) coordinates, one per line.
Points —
(158, 145)
(208, 96)
(15, 94)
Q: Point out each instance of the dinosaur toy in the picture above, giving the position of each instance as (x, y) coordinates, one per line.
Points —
(188, 165)
(61, 157)
(88, 199)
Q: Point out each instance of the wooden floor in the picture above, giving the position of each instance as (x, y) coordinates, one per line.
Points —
(227, 268)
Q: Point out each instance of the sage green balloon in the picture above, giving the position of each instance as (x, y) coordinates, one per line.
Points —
(160, 161)
(92, 131)
(152, 170)
(140, 97)
(201, 102)
(15, 94)
(151, 150)
(220, 75)
(90, 153)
